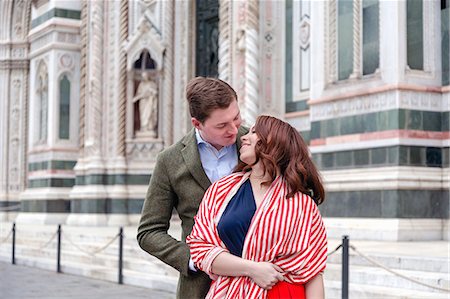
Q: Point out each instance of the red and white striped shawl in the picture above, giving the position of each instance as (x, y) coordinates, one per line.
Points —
(287, 232)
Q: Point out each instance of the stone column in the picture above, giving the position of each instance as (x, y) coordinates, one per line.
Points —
(54, 57)
(88, 196)
(14, 68)
(246, 60)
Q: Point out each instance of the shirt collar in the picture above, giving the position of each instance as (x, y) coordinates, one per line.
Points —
(200, 140)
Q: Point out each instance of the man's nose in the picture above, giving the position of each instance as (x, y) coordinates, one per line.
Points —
(234, 129)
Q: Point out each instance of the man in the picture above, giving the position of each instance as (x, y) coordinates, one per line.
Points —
(184, 171)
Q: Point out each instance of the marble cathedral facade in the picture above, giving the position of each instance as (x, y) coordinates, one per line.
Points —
(365, 82)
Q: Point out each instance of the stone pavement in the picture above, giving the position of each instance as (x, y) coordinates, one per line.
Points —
(21, 282)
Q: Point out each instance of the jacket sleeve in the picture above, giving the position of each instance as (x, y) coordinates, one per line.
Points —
(204, 240)
(152, 233)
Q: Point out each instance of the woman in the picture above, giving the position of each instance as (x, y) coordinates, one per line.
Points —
(258, 232)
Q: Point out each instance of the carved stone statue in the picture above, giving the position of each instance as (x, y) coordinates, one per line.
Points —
(147, 96)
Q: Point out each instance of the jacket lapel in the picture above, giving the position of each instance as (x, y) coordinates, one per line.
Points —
(192, 159)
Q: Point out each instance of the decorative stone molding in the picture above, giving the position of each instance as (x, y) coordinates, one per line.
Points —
(184, 69)
(111, 78)
(83, 75)
(122, 92)
(65, 37)
(354, 106)
(246, 47)
(20, 19)
(331, 42)
(300, 123)
(144, 150)
(225, 40)
(39, 3)
(395, 99)
(304, 32)
(422, 101)
(15, 136)
(383, 178)
(357, 44)
(66, 62)
(167, 111)
(95, 79)
(146, 37)
(41, 41)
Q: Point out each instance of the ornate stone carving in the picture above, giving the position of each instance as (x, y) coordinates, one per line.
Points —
(421, 101)
(225, 40)
(356, 40)
(185, 66)
(331, 43)
(41, 42)
(18, 53)
(146, 37)
(145, 151)
(66, 61)
(15, 135)
(304, 32)
(95, 79)
(83, 74)
(247, 56)
(168, 73)
(65, 37)
(122, 94)
(147, 98)
(354, 106)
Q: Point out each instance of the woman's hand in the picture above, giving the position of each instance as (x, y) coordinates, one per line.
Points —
(265, 274)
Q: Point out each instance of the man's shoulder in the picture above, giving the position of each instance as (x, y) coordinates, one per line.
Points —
(176, 148)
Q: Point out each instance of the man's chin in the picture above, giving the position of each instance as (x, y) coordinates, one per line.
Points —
(229, 141)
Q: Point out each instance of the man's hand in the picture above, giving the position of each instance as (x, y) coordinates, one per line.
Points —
(266, 274)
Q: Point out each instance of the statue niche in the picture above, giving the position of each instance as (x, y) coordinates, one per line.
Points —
(145, 99)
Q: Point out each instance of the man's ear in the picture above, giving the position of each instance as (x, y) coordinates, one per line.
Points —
(195, 122)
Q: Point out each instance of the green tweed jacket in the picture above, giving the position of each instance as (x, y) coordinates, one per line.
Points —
(178, 181)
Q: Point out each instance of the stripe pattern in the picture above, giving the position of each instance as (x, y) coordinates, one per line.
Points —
(287, 232)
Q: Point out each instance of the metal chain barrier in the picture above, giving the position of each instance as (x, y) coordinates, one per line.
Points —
(48, 242)
(6, 238)
(335, 250)
(94, 252)
(395, 272)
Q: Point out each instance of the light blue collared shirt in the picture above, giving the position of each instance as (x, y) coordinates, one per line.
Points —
(216, 163)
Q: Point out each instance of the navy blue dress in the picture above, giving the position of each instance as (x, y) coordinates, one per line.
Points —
(235, 221)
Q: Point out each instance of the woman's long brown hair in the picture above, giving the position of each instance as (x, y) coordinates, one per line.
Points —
(281, 148)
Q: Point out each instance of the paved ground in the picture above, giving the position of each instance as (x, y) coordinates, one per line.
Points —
(20, 282)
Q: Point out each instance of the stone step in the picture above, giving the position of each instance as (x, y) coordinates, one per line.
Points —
(380, 277)
(136, 278)
(367, 291)
(427, 264)
(148, 264)
(143, 262)
(152, 281)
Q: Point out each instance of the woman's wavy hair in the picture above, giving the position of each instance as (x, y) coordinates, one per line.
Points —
(281, 147)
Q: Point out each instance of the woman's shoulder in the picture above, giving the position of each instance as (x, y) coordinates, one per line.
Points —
(229, 179)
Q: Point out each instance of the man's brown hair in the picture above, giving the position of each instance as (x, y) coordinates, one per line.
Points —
(206, 94)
